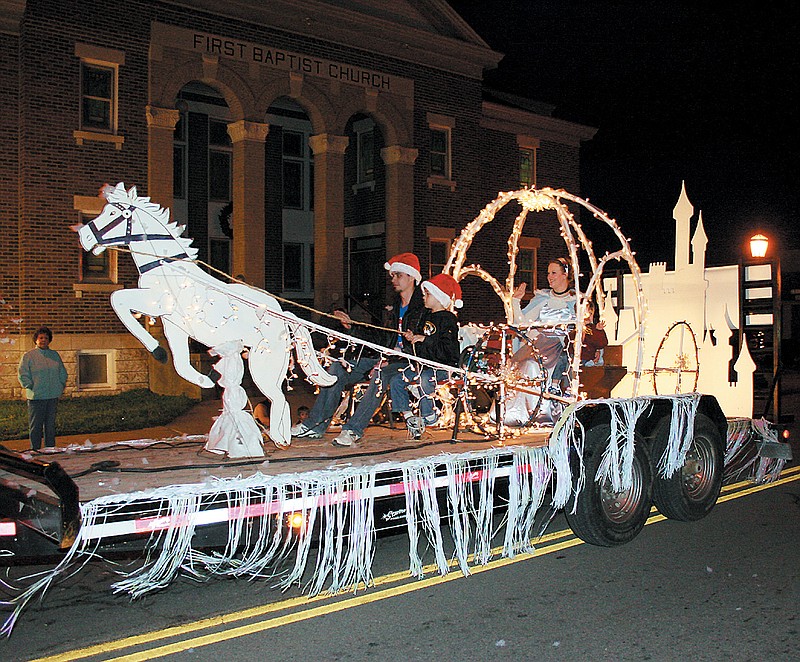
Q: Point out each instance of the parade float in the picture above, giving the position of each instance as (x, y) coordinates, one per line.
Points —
(234, 503)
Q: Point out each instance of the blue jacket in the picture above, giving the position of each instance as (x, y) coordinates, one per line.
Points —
(42, 374)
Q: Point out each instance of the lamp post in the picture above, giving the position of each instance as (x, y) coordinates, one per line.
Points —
(760, 323)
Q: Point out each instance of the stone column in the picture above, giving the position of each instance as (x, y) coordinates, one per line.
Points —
(328, 219)
(161, 124)
(249, 241)
(399, 162)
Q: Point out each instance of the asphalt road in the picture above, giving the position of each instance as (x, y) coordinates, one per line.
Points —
(724, 588)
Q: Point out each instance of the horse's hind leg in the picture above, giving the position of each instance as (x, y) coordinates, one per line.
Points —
(268, 370)
(178, 341)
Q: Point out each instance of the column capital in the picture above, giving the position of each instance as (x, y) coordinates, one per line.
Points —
(324, 143)
(245, 130)
(162, 118)
(399, 154)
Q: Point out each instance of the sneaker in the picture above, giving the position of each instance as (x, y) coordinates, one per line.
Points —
(301, 430)
(416, 426)
(346, 438)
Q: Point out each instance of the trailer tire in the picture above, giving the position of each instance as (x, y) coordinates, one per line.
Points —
(692, 491)
(604, 517)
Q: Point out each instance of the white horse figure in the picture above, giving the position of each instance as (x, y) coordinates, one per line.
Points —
(191, 303)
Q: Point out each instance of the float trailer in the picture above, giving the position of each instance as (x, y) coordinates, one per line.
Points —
(178, 507)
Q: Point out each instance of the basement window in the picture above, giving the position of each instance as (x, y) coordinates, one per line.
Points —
(95, 369)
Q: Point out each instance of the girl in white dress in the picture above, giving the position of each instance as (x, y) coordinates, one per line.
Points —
(555, 305)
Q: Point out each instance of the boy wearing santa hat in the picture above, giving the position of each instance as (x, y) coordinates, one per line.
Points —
(437, 342)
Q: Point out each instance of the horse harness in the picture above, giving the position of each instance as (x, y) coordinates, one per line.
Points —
(126, 215)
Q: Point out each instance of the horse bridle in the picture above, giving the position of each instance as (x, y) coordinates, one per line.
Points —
(126, 216)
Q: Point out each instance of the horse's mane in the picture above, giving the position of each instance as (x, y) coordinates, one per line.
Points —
(119, 195)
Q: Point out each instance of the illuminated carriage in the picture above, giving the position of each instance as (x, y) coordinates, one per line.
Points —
(489, 350)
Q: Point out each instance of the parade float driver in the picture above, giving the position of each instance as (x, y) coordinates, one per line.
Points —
(407, 312)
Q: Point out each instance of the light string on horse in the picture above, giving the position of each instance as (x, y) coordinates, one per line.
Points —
(288, 317)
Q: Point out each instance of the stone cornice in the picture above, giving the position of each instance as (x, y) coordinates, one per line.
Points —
(444, 42)
(513, 120)
(399, 154)
(462, 51)
(323, 143)
(162, 118)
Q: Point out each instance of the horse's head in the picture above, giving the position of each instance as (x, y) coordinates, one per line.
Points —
(115, 224)
(127, 219)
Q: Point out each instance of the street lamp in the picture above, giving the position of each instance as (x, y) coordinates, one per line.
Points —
(758, 245)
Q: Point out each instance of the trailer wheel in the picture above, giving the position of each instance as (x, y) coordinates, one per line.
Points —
(603, 516)
(691, 492)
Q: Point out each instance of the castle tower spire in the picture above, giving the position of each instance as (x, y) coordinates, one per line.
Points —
(699, 243)
(682, 213)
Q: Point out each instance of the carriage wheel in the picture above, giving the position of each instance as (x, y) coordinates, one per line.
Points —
(676, 367)
(492, 355)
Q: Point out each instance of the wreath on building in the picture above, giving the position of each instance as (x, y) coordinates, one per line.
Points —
(225, 218)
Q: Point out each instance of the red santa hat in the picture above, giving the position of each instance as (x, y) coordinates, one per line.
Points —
(445, 289)
(406, 263)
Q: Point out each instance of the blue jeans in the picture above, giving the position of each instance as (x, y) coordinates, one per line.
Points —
(42, 418)
(427, 380)
(380, 381)
(319, 418)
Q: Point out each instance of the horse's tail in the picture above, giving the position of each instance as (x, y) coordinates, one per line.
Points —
(307, 356)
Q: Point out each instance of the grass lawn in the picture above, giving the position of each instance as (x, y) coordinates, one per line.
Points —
(131, 410)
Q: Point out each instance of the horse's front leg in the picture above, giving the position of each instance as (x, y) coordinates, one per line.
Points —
(124, 302)
(178, 341)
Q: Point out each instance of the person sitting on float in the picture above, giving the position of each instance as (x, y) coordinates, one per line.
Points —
(550, 309)
(437, 341)
(595, 339)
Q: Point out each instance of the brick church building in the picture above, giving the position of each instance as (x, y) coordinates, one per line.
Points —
(301, 142)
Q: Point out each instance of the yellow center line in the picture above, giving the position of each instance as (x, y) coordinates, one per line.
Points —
(343, 605)
(734, 491)
(254, 612)
(793, 476)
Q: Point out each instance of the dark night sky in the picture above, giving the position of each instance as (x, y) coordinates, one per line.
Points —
(678, 92)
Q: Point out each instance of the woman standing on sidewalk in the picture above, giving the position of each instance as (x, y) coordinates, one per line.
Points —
(43, 376)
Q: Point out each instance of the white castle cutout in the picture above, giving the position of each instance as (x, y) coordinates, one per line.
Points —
(707, 299)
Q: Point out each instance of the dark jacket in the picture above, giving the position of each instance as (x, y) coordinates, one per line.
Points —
(414, 320)
(441, 338)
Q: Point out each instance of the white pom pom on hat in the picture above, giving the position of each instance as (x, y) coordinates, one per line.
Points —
(446, 290)
(406, 263)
